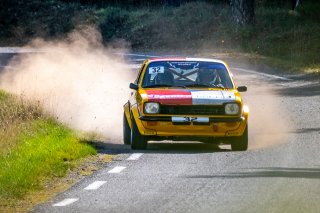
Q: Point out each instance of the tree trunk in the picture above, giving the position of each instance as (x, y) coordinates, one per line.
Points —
(243, 11)
(294, 4)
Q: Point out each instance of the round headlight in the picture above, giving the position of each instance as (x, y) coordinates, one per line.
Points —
(151, 108)
(232, 109)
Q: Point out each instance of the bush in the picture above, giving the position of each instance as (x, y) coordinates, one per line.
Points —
(114, 23)
(23, 20)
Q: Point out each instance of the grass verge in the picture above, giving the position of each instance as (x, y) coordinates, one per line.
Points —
(35, 149)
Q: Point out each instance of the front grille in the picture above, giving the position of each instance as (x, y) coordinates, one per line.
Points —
(192, 109)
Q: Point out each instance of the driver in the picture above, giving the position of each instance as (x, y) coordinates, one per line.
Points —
(208, 76)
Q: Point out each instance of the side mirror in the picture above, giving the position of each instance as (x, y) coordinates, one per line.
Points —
(133, 86)
(242, 89)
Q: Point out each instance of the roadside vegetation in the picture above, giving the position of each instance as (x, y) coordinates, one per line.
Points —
(287, 39)
(34, 149)
(284, 38)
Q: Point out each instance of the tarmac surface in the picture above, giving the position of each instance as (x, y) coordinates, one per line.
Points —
(279, 173)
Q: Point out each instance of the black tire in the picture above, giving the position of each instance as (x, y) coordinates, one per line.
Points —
(240, 143)
(138, 141)
(126, 131)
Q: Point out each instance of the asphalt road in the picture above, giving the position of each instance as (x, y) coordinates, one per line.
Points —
(279, 173)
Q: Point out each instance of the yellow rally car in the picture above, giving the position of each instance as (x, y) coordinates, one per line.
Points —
(185, 99)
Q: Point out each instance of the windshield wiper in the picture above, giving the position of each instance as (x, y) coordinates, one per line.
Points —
(219, 86)
(162, 85)
(197, 85)
(184, 86)
(205, 85)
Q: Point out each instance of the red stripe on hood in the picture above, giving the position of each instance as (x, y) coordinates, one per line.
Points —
(169, 97)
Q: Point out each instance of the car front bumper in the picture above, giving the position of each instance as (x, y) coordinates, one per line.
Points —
(168, 126)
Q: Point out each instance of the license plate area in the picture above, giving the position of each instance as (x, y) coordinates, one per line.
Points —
(189, 120)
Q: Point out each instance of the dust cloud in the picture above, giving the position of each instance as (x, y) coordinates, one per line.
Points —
(269, 118)
(84, 85)
(77, 80)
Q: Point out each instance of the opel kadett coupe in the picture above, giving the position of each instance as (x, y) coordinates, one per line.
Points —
(185, 99)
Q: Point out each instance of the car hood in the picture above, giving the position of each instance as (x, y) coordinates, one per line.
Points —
(189, 96)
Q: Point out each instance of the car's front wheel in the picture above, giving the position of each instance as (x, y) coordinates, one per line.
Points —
(240, 143)
(138, 141)
(126, 130)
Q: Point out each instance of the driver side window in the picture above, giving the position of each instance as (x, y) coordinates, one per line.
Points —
(139, 75)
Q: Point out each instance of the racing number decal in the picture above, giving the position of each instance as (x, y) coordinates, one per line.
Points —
(155, 70)
(190, 119)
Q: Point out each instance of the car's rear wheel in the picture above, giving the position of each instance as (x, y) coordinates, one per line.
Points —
(138, 141)
(240, 143)
(126, 130)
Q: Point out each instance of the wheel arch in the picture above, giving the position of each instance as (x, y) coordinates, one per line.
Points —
(128, 113)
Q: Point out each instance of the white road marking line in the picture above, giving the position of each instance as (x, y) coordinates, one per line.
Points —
(260, 73)
(117, 169)
(141, 59)
(95, 185)
(139, 55)
(66, 202)
(8, 67)
(20, 50)
(135, 66)
(135, 156)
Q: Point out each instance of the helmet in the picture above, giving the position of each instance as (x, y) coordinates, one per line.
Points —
(206, 75)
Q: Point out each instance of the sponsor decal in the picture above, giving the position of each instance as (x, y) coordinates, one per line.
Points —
(170, 97)
(185, 97)
(215, 127)
(211, 97)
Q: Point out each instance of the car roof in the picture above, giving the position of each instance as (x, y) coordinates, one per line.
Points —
(185, 59)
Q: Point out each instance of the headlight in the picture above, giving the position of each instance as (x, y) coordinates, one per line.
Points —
(232, 109)
(151, 108)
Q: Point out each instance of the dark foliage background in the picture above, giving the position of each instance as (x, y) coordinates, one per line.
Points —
(290, 38)
(23, 19)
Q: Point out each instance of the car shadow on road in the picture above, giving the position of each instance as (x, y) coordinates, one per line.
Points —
(156, 147)
(183, 148)
(104, 147)
(269, 172)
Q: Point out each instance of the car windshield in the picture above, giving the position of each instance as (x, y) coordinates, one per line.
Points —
(186, 74)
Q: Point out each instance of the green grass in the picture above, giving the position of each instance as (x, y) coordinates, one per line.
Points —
(34, 148)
